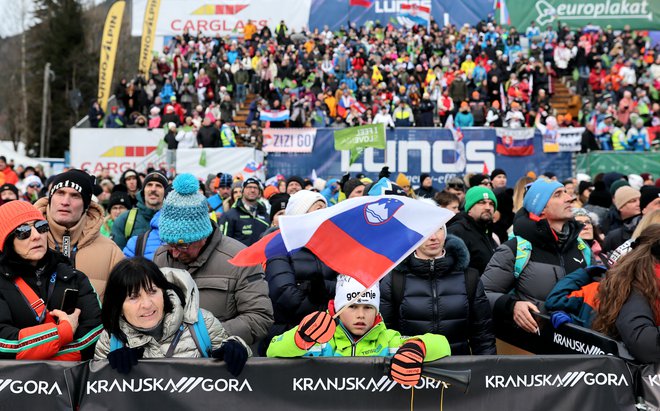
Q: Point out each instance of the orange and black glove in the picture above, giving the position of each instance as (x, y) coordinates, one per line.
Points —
(317, 327)
(406, 364)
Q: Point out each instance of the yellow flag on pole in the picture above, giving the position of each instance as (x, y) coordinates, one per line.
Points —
(109, 43)
(148, 36)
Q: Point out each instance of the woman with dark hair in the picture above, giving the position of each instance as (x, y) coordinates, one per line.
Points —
(629, 298)
(37, 322)
(149, 313)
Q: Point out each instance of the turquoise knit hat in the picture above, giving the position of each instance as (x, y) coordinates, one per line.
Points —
(184, 217)
(538, 195)
(476, 194)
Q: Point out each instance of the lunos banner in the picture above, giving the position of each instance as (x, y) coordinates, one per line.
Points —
(109, 44)
(221, 18)
(148, 36)
(639, 14)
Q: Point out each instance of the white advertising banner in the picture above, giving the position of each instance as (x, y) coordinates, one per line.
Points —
(118, 150)
(244, 160)
(214, 17)
(289, 140)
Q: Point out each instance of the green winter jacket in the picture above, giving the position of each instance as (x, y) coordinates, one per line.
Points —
(377, 342)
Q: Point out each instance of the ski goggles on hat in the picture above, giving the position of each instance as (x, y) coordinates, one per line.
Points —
(23, 232)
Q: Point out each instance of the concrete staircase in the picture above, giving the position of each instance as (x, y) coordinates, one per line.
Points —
(561, 97)
(242, 114)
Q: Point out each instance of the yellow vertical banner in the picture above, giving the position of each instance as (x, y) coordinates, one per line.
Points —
(109, 43)
(148, 36)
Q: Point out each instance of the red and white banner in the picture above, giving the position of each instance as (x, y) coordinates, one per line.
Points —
(214, 17)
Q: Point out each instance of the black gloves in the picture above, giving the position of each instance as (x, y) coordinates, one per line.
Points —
(123, 359)
(234, 354)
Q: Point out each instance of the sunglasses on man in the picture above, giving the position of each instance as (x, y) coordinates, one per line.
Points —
(24, 231)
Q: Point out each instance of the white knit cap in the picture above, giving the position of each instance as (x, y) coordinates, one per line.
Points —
(636, 181)
(348, 288)
(300, 202)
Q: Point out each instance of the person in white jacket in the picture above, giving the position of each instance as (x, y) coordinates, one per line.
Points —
(384, 117)
(187, 135)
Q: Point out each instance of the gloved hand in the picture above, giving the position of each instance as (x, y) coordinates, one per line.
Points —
(406, 364)
(123, 359)
(559, 317)
(317, 327)
(234, 354)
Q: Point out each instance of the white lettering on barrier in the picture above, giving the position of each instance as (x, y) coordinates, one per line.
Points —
(384, 384)
(184, 385)
(570, 379)
(576, 345)
(30, 387)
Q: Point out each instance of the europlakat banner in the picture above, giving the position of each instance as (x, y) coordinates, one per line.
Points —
(148, 36)
(109, 43)
(222, 17)
(638, 14)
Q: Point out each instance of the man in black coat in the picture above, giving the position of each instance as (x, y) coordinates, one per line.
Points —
(208, 136)
(475, 226)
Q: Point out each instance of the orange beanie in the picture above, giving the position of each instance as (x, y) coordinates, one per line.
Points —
(13, 214)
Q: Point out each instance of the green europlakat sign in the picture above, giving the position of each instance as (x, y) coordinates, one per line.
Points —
(638, 14)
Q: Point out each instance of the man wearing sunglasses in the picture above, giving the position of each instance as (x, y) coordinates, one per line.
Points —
(75, 222)
(455, 185)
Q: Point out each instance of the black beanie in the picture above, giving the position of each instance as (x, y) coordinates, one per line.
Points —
(77, 180)
(384, 172)
(600, 196)
(497, 172)
(120, 198)
(351, 185)
(9, 187)
(157, 177)
(583, 186)
(297, 179)
(278, 202)
(476, 179)
(649, 194)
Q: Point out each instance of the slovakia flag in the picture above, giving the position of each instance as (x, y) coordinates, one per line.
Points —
(274, 115)
(363, 237)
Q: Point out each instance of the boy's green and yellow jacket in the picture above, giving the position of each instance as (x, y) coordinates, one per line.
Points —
(378, 341)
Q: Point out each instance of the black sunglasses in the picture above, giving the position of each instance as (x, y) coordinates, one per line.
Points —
(23, 232)
(456, 186)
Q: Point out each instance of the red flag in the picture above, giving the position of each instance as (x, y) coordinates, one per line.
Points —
(485, 170)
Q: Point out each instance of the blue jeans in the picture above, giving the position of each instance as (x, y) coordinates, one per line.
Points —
(240, 93)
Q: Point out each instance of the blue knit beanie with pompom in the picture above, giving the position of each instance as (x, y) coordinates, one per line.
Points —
(184, 217)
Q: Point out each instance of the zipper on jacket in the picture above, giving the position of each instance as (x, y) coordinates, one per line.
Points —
(38, 274)
(435, 294)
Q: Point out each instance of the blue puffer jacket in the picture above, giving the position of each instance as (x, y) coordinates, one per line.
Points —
(152, 244)
(435, 300)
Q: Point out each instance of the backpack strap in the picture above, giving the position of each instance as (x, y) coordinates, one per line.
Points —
(115, 343)
(37, 304)
(398, 285)
(130, 222)
(141, 243)
(200, 335)
(523, 253)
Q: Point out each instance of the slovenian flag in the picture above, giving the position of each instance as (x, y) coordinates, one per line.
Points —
(274, 115)
(362, 237)
(415, 14)
(515, 142)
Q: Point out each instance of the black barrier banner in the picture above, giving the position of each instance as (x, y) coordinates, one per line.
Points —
(649, 376)
(530, 383)
(567, 339)
(42, 385)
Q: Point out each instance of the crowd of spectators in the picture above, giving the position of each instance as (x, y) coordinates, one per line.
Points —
(482, 75)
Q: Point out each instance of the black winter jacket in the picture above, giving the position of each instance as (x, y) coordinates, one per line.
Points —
(478, 239)
(549, 262)
(638, 330)
(620, 235)
(298, 285)
(16, 316)
(239, 224)
(435, 300)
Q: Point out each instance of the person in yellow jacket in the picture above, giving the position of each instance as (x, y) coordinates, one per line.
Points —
(360, 332)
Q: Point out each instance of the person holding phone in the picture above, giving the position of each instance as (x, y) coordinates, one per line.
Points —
(48, 309)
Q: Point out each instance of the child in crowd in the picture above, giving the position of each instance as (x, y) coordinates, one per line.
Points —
(361, 332)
